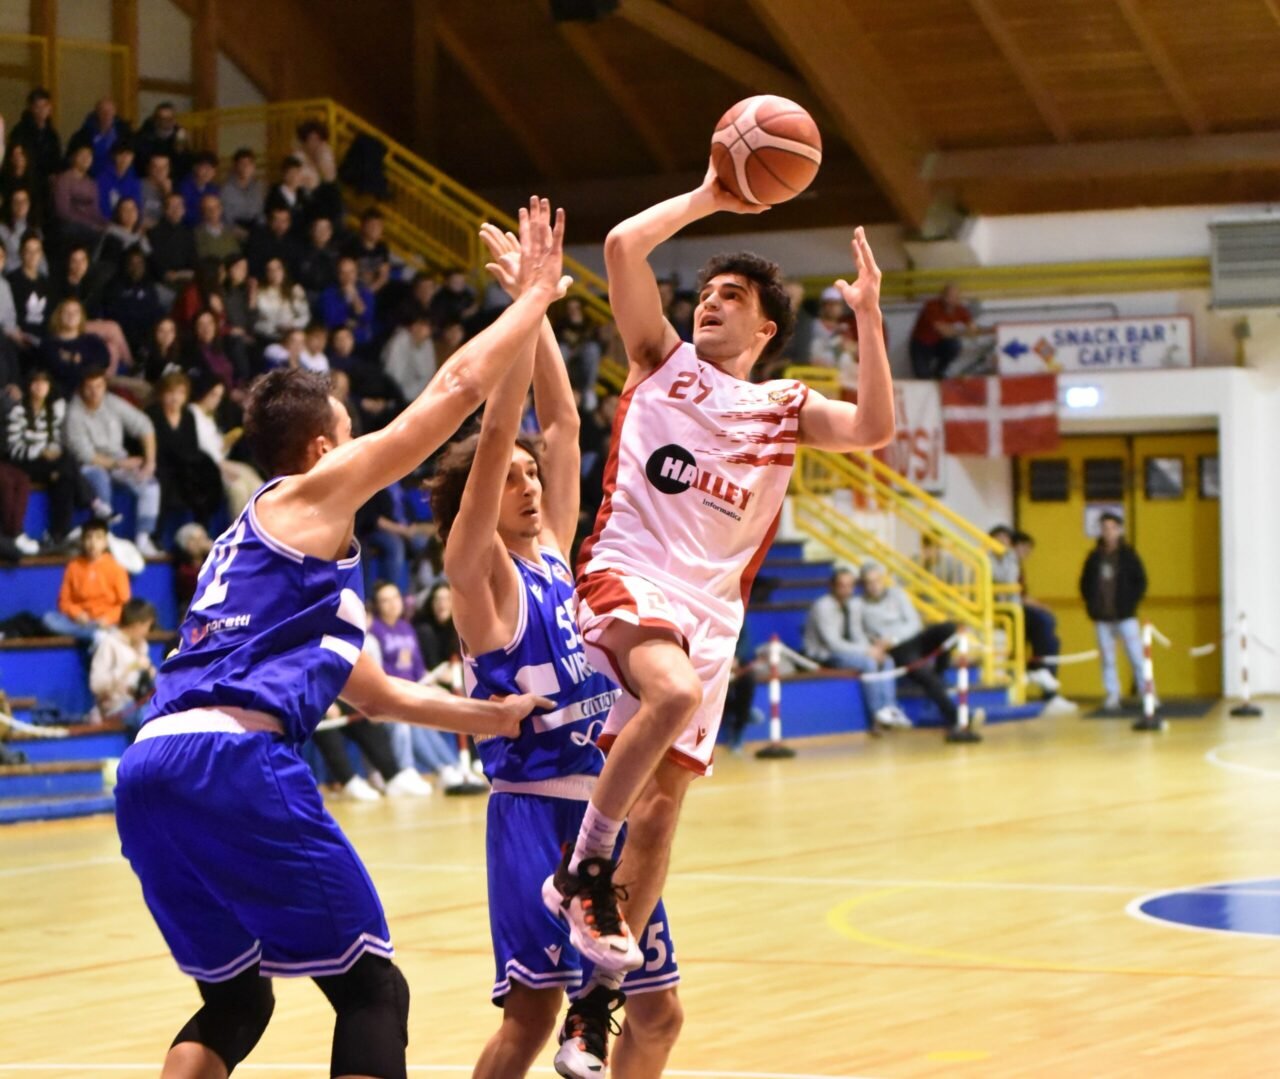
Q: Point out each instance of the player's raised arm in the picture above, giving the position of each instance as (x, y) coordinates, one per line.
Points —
(633, 287)
(838, 425)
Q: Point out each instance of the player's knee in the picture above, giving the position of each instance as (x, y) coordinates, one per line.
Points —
(372, 1028)
(235, 1015)
(529, 1016)
(676, 695)
(656, 1018)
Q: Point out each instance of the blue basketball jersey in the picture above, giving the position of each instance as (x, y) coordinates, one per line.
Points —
(270, 629)
(544, 657)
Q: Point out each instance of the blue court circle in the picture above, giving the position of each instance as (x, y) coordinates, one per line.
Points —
(1249, 907)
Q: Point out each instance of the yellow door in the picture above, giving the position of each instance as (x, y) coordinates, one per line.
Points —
(1165, 488)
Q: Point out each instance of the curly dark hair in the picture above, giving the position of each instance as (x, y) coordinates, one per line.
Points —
(285, 411)
(454, 469)
(767, 278)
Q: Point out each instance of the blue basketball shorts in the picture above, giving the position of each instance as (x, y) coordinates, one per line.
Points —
(530, 945)
(239, 860)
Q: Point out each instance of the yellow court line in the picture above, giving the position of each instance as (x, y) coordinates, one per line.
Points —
(840, 920)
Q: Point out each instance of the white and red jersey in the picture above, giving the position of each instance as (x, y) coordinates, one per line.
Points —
(698, 467)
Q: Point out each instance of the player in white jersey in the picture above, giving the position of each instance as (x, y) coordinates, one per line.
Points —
(697, 471)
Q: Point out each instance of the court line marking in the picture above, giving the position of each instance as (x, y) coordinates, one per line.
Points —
(438, 1069)
(1213, 757)
(24, 870)
(1220, 888)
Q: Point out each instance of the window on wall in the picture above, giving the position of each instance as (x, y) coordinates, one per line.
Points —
(1049, 479)
(1104, 479)
(1163, 479)
(1208, 477)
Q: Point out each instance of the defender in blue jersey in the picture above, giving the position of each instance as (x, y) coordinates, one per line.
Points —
(246, 874)
(507, 536)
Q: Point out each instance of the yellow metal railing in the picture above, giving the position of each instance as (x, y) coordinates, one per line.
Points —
(431, 219)
(77, 73)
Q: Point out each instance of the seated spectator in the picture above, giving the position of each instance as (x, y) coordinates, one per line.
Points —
(348, 303)
(239, 480)
(67, 351)
(198, 183)
(189, 478)
(15, 493)
(938, 559)
(78, 280)
(454, 301)
(581, 350)
(123, 235)
(340, 389)
(75, 201)
(1006, 570)
(422, 290)
(30, 289)
(280, 305)
(133, 302)
(319, 171)
(94, 589)
(162, 136)
(122, 677)
(318, 263)
(384, 526)
(101, 131)
(796, 350)
(830, 343)
(833, 635)
(191, 546)
(97, 423)
(118, 180)
(1041, 625)
(18, 174)
(203, 291)
(314, 356)
(214, 238)
(289, 194)
(163, 352)
(37, 135)
(936, 337)
(373, 259)
(275, 241)
(16, 223)
(409, 358)
(173, 247)
(890, 620)
(157, 186)
(451, 337)
(12, 342)
(374, 742)
(34, 441)
(287, 352)
(239, 294)
(739, 699)
(377, 397)
(437, 636)
(243, 195)
(208, 354)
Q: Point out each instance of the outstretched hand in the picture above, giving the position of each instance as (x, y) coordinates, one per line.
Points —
(539, 264)
(863, 296)
(724, 199)
(504, 249)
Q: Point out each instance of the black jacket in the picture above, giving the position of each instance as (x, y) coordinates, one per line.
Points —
(1131, 583)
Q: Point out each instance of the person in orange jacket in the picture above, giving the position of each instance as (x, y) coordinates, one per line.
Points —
(94, 589)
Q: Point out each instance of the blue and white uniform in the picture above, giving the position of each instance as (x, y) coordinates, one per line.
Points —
(218, 814)
(542, 781)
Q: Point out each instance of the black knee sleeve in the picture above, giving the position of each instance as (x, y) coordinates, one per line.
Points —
(372, 1028)
(235, 1014)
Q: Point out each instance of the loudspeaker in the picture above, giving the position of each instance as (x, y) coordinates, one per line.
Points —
(582, 10)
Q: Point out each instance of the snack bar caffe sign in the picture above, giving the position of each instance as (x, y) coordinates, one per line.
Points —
(1107, 344)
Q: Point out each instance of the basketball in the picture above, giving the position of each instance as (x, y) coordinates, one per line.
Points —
(766, 149)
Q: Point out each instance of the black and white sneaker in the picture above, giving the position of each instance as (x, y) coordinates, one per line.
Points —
(588, 901)
(584, 1038)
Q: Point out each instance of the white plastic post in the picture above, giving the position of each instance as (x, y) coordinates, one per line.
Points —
(1245, 708)
(1149, 721)
(775, 748)
(962, 679)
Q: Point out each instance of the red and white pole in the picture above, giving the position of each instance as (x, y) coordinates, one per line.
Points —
(1245, 708)
(963, 730)
(775, 747)
(1149, 721)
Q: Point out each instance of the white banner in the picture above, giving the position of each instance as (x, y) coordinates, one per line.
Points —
(917, 448)
(1106, 344)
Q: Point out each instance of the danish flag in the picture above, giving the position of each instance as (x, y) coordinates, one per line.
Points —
(999, 417)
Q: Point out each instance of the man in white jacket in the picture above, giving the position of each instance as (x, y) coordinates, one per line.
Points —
(410, 356)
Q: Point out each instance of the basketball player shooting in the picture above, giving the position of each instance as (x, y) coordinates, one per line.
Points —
(698, 468)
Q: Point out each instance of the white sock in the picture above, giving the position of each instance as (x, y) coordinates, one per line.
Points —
(596, 838)
(604, 978)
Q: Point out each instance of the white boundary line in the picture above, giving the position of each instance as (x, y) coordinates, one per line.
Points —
(1214, 888)
(436, 1069)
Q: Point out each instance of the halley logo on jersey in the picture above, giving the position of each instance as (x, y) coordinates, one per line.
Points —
(672, 470)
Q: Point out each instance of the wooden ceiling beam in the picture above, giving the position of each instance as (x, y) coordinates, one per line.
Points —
(1182, 155)
(1192, 114)
(825, 43)
(642, 120)
(1000, 33)
(1273, 6)
(515, 119)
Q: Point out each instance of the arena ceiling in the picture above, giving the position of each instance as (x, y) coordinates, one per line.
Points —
(991, 106)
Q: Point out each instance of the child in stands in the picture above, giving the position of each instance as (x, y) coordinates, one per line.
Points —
(122, 676)
(94, 589)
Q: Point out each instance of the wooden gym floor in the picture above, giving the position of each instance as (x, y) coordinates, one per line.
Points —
(893, 907)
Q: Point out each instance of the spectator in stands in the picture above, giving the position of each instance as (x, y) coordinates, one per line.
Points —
(157, 186)
(34, 441)
(796, 350)
(289, 193)
(118, 180)
(377, 397)
(191, 546)
(938, 559)
(409, 358)
(384, 525)
(274, 242)
(36, 134)
(94, 589)
(454, 301)
(315, 155)
(133, 302)
(78, 280)
(433, 623)
(1007, 569)
(173, 247)
(239, 480)
(16, 224)
(340, 390)
(163, 352)
(189, 478)
(834, 636)
(15, 493)
(208, 354)
(372, 257)
(348, 303)
(286, 352)
(11, 341)
(19, 174)
(67, 351)
(829, 342)
(936, 338)
(422, 290)
(742, 691)
(101, 131)
(203, 291)
(81, 283)
(318, 263)
(374, 742)
(97, 423)
(1112, 584)
(449, 340)
(281, 305)
(198, 183)
(215, 239)
(124, 234)
(1041, 624)
(315, 344)
(239, 294)
(580, 347)
(244, 196)
(890, 621)
(30, 289)
(122, 677)
(75, 200)
(162, 136)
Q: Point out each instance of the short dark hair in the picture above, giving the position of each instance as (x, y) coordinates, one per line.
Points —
(453, 471)
(122, 146)
(137, 610)
(767, 278)
(379, 585)
(242, 153)
(842, 571)
(285, 411)
(1110, 516)
(293, 161)
(371, 214)
(91, 372)
(94, 524)
(38, 94)
(312, 127)
(1023, 537)
(205, 157)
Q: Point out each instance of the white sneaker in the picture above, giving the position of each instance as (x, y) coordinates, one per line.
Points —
(145, 546)
(477, 770)
(25, 544)
(357, 789)
(588, 902)
(900, 718)
(1058, 705)
(1044, 678)
(407, 784)
(451, 776)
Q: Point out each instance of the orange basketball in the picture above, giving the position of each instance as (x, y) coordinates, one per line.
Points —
(766, 149)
